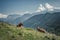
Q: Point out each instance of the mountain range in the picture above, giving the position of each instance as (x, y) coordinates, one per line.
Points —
(48, 21)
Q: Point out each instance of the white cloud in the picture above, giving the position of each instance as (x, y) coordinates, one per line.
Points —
(26, 12)
(57, 8)
(3, 16)
(49, 7)
(40, 8)
(22, 13)
(46, 7)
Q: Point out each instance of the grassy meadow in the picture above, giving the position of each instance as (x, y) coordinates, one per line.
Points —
(11, 32)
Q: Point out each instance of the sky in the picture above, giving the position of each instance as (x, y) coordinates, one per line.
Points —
(21, 7)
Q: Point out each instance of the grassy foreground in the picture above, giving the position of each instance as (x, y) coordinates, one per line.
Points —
(11, 32)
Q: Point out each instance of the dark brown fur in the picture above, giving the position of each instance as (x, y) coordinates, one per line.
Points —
(19, 25)
(41, 30)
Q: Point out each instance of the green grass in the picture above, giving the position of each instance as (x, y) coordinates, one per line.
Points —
(11, 32)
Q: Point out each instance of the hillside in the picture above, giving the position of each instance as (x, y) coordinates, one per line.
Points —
(22, 18)
(11, 32)
(48, 21)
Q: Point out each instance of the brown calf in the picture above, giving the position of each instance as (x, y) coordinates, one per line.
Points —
(41, 30)
(20, 25)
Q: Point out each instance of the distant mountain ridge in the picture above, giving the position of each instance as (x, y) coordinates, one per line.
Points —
(10, 18)
(15, 19)
(49, 21)
(44, 21)
(22, 18)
